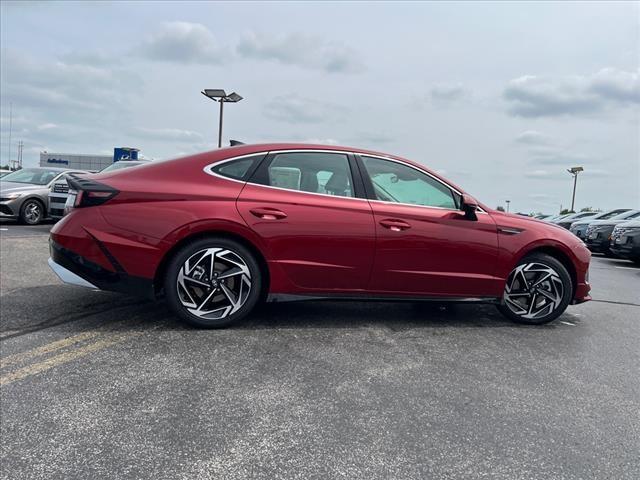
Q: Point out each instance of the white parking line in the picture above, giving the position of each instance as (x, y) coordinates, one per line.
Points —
(3, 229)
(629, 268)
(568, 323)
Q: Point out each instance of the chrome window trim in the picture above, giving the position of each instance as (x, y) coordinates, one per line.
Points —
(208, 171)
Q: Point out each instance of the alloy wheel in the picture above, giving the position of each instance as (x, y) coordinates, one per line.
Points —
(32, 212)
(214, 283)
(533, 291)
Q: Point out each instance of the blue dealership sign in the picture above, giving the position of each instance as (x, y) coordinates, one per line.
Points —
(58, 160)
(125, 153)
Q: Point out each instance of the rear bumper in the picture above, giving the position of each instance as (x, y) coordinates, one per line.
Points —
(75, 269)
(67, 276)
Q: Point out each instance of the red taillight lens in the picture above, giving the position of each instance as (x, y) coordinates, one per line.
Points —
(89, 193)
(79, 195)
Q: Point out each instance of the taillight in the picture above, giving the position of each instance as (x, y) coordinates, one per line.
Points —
(89, 193)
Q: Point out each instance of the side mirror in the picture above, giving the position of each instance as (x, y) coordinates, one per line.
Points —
(469, 206)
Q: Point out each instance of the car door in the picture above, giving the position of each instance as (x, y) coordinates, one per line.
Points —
(425, 243)
(310, 209)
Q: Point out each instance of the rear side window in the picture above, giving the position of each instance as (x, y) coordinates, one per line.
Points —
(237, 169)
(313, 172)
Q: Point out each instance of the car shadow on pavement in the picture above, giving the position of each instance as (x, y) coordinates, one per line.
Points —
(75, 309)
(395, 316)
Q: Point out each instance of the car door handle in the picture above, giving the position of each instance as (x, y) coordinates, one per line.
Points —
(268, 213)
(395, 225)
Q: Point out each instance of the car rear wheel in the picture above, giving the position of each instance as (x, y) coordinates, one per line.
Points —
(31, 212)
(538, 290)
(213, 282)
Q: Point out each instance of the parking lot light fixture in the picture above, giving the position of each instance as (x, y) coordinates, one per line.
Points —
(574, 171)
(219, 95)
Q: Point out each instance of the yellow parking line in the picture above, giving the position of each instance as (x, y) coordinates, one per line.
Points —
(49, 347)
(65, 357)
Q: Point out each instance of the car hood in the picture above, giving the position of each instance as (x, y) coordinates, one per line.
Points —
(12, 187)
(584, 221)
(631, 223)
(611, 221)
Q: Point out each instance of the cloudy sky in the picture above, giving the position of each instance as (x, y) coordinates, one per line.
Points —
(499, 97)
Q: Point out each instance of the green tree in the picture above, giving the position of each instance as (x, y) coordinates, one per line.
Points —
(500, 208)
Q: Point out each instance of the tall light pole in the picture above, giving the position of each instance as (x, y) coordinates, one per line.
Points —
(507, 202)
(574, 171)
(219, 95)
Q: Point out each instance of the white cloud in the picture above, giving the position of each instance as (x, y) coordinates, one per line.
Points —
(181, 42)
(444, 95)
(169, 134)
(538, 174)
(533, 96)
(321, 141)
(533, 137)
(301, 50)
(296, 109)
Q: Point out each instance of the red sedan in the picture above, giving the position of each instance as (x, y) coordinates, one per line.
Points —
(218, 232)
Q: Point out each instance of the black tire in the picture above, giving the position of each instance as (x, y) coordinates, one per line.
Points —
(553, 309)
(31, 212)
(172, 288)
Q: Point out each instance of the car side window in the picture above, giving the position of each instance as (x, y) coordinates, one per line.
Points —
(313, 172)
(237, 169)
(398, 183)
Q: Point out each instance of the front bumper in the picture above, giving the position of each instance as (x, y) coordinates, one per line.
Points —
(630, 248)
(579, 232)
(598, 245)
(10, 208)
(57, 203)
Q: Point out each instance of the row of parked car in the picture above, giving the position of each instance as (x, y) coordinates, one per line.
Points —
(616, 233)
(30, 195)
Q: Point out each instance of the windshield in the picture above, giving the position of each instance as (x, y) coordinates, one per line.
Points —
(627, 215)
(34, 176)
(611, 214)
(120, 165)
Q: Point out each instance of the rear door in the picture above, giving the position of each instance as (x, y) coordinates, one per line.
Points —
(309, 208)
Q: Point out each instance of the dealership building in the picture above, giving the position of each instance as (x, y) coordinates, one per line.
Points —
(79, 161)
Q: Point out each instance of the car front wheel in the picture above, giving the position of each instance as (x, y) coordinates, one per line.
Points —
(538, 290)
(213, 282)
(32, 212)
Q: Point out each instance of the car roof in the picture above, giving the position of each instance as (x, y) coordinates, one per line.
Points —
(247, 149)
(50, 169)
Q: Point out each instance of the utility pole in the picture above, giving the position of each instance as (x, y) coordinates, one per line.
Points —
(20, 148)
(10, 128)
(507, 202)
(574, 171)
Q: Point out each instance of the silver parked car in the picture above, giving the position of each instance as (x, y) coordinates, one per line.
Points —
(59, 190)
(579, 227)
(24, 194)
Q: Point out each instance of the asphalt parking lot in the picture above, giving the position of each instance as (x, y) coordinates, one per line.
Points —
(100, 385)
